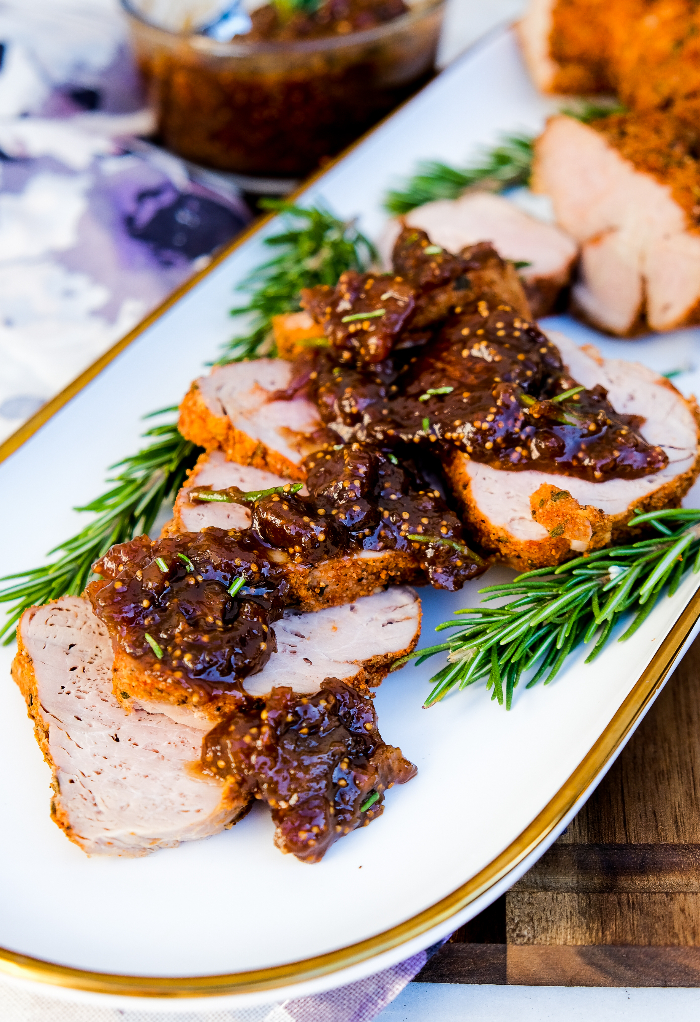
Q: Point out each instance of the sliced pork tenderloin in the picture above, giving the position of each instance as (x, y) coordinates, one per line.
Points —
(502, 508)
(625, 187)
(216, 471)
(123, 782)
(548, 252)
(310, 648)
(326, 583)
(233, 409)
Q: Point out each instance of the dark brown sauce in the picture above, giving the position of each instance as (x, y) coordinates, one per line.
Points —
(175, 591)
(315, 760)
(488, 382)
(167, 603)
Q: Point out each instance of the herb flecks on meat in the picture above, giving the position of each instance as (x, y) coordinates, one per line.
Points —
(316, 760)
(361, 498)
(168, 605)
(489, 383)
(362, 315)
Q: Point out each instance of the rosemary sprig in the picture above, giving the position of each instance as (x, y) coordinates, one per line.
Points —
(315, 248)
(551, 611)
(508, 164)
(130, 507)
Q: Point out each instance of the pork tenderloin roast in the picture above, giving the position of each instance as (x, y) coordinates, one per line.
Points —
(625, 187)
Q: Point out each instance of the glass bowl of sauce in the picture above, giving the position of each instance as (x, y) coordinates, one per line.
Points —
(291, 92)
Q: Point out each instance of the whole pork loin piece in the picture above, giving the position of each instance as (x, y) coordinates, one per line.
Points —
(571, 46)
(234, 409)
(549, 252)
(122, 781)
(623, 186)
(502, 508)
(315, 586)
(311, 648)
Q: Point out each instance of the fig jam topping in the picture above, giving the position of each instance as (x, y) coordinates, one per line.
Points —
(494, 386)
(481, 378)
(318, 761)
(200, 606)
(169, 604)
(361, 498)
(362, 315)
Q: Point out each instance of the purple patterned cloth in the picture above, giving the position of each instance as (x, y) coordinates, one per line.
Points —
(97, 227)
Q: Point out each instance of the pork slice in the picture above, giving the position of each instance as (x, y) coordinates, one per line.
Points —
(314, 647)
(498, 505)
(233, 409)
(480, 216)
(123, 783)
(640, 252)
(215, 471)
(326, 583)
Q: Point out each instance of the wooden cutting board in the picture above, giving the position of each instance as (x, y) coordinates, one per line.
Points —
(616, 900)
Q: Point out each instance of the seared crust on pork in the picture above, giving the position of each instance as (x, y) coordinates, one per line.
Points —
(498, 505)
(357, 643)
(233, 410)
(123, 784)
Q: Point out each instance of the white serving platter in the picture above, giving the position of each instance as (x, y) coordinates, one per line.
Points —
(230, 920)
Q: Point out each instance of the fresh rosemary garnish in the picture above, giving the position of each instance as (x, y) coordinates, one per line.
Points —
(236, 585)
(552, 610)
(315, 248)
(508, 164)
(187, 562)
(230, 496)
(161, 564)
(145, 481)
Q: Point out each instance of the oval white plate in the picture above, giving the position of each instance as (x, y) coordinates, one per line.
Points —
(230, 917)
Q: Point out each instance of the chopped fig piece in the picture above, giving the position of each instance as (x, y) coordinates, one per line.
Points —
(319, 762)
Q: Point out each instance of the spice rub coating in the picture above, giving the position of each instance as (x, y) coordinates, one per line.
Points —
(316, 761)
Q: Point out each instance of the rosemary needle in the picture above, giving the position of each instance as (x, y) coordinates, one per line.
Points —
(507, 164)
(154, 645)
(551, 611)
(368, 803)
